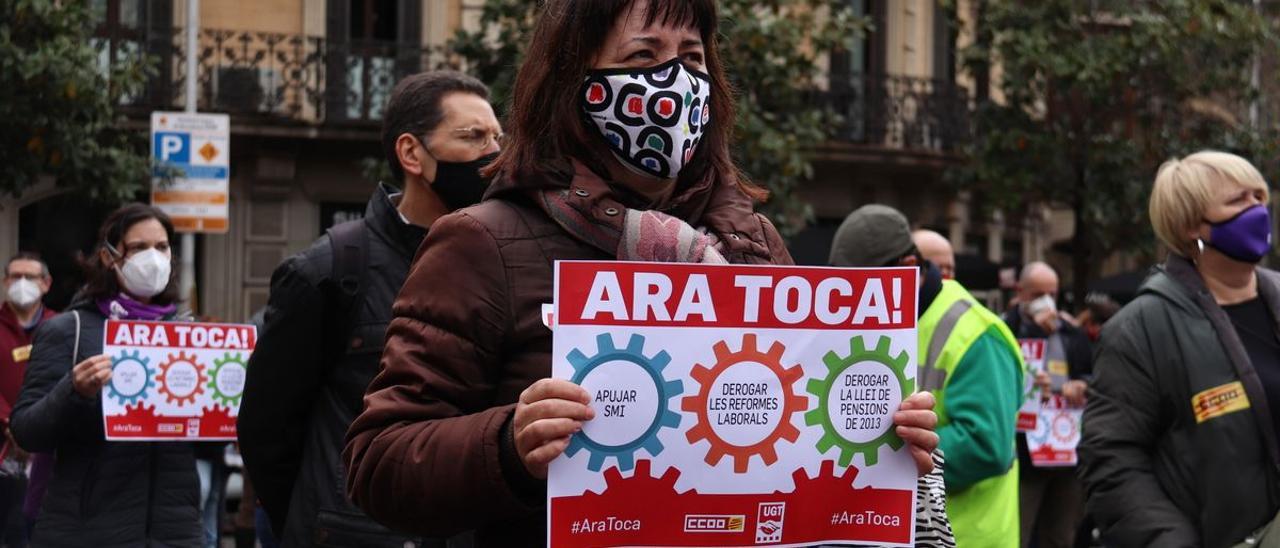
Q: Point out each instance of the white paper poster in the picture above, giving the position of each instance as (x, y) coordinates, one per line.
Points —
(179, 381)
(735, 405)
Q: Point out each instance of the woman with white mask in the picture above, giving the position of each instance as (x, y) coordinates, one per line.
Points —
(103, 493)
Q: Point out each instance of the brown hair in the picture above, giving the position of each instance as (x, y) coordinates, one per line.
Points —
(101, 277)
(546, 121)
(27, 256)
(415, 108)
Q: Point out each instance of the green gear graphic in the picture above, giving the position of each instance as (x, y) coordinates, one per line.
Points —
(836, 365)
(218, 364)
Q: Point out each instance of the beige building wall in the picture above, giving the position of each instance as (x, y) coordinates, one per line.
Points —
(440, 18)
(909, 38)
(283, 16)
(966, 10)
(307, 17)
(313, 17)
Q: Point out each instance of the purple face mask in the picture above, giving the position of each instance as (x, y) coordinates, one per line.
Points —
(1245, 237)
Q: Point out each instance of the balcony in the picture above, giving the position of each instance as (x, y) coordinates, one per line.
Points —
(276, 79)
(297, 80)
(897, 114)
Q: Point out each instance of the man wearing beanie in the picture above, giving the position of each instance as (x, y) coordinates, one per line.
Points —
(973, 365)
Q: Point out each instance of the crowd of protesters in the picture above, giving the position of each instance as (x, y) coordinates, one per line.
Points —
(400, 392)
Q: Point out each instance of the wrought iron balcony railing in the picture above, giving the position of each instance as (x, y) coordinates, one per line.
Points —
(306, 80)
(278, 78)
(901, 112)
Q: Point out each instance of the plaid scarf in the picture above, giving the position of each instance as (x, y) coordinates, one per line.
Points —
(644, 235)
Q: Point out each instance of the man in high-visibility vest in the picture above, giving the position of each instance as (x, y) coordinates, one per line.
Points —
(973, 365)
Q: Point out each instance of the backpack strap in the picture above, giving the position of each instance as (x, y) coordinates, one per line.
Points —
(75, 351)
(350, 244)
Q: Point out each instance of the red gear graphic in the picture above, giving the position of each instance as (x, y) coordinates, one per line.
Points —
(641, 483)
(826, 481)
(139, 411)
(1070, 429)
(201, 379)
(791, 403)
(216, 421)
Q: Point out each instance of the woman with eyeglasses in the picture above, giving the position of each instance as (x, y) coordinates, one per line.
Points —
(460, 425)
(102, 493)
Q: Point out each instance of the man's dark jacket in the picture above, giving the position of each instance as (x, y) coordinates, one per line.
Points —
(1079, 354)
(1153, 474)
(307, 378)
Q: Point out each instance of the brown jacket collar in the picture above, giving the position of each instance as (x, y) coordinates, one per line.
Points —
(717, 204)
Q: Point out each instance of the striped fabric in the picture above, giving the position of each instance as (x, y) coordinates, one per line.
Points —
(933, 527)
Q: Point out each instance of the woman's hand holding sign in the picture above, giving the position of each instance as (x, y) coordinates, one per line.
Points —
(916, 422)
(89, 376)
(549, 412)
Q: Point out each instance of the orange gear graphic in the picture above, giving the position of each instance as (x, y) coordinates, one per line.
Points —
(791, 403)
(201, 379)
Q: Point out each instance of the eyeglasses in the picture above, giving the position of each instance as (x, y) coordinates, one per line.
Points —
(133, 248)
(479, 137)
(29, 277)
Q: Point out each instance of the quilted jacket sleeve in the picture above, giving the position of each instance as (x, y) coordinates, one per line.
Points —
(1121, 427)
(423, 457)
(49, 412)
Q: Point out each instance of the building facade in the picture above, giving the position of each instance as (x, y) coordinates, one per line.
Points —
(906, 104)
(304, 81)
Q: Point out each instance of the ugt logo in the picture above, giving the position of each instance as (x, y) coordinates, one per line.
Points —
(769, 522)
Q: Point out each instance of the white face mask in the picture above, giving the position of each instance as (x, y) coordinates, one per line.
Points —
(1041, 304)
(145, 274)
(24, 293)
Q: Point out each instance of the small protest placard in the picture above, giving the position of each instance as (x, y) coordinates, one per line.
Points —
(174, 380)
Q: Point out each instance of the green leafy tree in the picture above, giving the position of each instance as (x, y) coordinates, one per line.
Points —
(58, 105)
(773, 51)
(1096, 95)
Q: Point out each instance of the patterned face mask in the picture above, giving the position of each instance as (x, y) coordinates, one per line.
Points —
(652, 118)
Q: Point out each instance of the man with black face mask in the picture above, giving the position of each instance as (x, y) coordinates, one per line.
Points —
(329, 308)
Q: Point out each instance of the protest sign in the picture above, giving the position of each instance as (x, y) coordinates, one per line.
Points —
(735, 405)
(1057, 433)
(1033, 353)
(174, 380)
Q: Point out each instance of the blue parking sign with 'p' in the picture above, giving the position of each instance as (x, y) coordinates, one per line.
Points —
(172, 147)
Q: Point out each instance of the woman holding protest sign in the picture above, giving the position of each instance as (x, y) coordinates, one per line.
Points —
(463, 419)
(105, 493)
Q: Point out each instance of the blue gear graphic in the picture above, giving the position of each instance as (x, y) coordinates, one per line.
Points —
(126, 399)
(667, 390)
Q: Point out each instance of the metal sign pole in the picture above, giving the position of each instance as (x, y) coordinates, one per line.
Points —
(187, 282)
